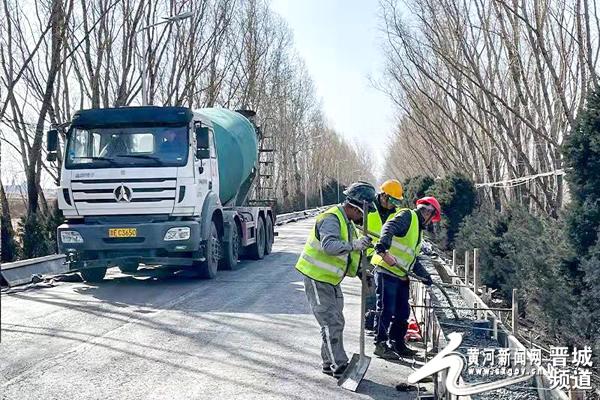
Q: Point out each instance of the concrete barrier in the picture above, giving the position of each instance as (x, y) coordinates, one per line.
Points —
(20, 272)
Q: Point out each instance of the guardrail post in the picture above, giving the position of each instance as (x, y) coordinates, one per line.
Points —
(494, 328)
(475, 270)
(515, 312)
(454, 261)
(467, 268)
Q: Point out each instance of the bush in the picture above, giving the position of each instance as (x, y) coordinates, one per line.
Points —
(526, 252)
(484, 230)
(457, 196)
(588, 314)
(33, 236)
(8, 250)
(37, 233)
(582, 158)
(51, 224)
(415, 188)
(582, 152)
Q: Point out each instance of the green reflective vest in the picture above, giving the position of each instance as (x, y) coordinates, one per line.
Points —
(405, 248)
(374, 224)
(322, 267)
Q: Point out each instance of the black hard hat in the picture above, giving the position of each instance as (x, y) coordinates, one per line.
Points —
(359, 192)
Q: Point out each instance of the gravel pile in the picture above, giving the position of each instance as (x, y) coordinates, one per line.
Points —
(524, 390)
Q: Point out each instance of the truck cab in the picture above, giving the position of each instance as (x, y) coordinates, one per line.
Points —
(142, 185)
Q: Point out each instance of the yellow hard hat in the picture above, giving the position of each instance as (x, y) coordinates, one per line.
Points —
(393, 188)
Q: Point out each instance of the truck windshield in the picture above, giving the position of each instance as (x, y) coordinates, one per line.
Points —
(127, 147)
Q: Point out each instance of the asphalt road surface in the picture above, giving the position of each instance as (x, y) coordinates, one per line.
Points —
(247, 334)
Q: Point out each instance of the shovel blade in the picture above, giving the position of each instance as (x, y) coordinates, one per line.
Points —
(355, 372)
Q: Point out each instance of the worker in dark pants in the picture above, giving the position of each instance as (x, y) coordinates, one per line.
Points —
(332, 252)
(396, 254)
(389, 197)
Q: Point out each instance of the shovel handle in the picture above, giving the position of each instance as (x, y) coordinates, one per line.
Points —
(363, 282)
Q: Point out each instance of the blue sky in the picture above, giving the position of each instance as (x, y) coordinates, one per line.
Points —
(340, 43)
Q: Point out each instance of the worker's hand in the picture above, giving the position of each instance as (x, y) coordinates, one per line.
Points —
(389, 259)
(361, 243)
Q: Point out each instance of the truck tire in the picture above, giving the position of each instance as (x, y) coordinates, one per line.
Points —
(93, 274)
(230, 250)
(270, 236)
(129, 268)
(257, 250)
(208, 269)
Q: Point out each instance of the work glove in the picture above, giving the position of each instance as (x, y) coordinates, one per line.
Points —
(361, 243)
(389, 259)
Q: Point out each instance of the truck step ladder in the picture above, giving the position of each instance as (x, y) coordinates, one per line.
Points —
(264, 193)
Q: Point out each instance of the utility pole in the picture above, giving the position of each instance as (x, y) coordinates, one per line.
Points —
(143, 52)
(309, 148)
(306, 183)
(337, 180)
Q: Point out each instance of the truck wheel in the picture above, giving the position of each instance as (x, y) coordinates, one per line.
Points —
(93, 274)
(270, 236)
(129, 268)
(257, 250)
(208, 269)
(231, 250)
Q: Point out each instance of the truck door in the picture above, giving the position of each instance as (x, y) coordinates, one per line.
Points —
(214, 165)
(206, 166)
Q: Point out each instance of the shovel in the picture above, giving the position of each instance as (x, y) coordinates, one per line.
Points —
(359, 363)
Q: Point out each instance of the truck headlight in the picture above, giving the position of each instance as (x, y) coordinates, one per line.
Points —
(179, 233)
(70, 237)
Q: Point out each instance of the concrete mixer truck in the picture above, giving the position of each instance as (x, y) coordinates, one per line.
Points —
(160, 186)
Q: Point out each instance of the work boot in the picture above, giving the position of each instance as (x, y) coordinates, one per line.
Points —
(382, 350)
(339, 371)
(327, 369)
(402, 350)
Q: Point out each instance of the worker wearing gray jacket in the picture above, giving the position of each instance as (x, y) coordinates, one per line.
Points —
(331, 253)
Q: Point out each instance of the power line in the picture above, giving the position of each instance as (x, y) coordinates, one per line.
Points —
(509, 183)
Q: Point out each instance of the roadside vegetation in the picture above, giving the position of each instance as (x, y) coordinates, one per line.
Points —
(553, 262)
(506, 95)
(58, 56)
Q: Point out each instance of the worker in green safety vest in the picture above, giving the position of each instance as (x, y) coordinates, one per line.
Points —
(332, 252)
(396, 254)
(386, 202)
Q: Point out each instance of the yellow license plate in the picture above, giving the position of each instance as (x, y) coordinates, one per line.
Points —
(122, 232)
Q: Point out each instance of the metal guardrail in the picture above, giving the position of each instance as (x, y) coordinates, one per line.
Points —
(298, 215)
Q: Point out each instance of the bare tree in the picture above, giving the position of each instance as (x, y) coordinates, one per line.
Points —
(489, 88)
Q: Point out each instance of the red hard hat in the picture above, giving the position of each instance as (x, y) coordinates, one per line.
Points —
(432, 201)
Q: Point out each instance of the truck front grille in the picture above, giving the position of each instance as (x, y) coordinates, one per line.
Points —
(123, 196)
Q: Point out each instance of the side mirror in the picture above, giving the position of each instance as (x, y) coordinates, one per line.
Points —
(52, 144)
(202, 142)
